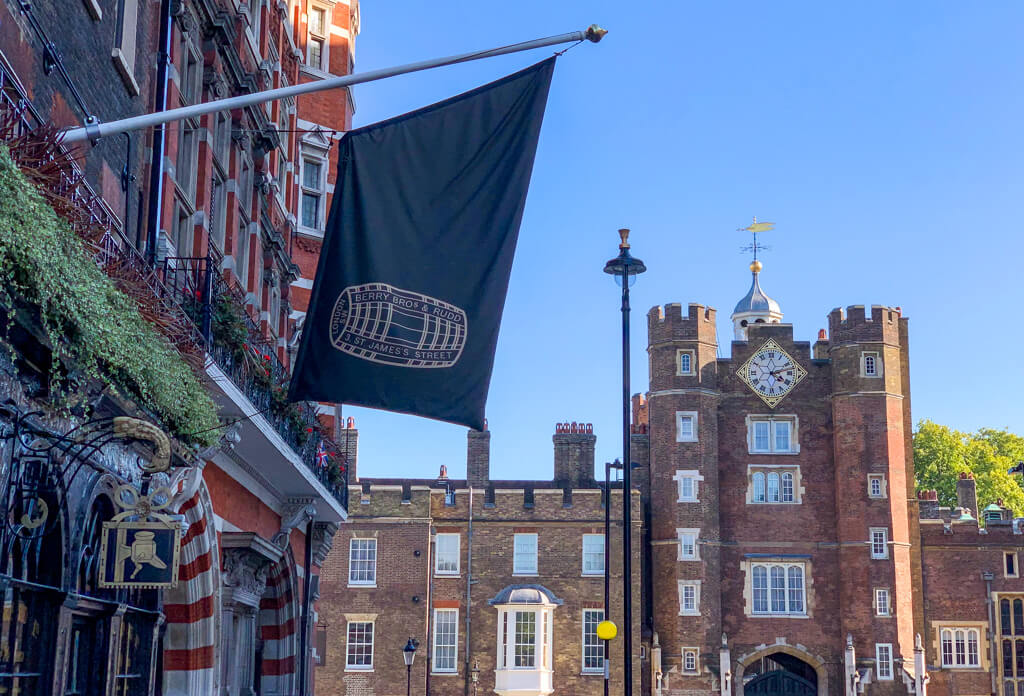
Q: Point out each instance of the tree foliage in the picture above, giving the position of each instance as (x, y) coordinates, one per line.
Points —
(941, 454)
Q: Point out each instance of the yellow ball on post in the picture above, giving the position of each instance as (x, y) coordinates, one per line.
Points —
(607, 630)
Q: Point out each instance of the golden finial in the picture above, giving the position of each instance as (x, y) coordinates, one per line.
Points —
(756, 266)
(624, 234)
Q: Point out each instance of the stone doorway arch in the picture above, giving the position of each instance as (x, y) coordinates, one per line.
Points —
(782, 670)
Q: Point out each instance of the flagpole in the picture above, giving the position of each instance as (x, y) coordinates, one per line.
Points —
(94, 131)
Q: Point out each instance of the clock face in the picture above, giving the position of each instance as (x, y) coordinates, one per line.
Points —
(771, 373)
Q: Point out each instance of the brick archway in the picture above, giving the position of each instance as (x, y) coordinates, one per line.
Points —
(815, 662)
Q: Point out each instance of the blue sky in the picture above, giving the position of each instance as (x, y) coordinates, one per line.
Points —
(884, 140)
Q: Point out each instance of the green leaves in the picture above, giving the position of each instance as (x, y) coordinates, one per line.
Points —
(87, 319)
(941, 454)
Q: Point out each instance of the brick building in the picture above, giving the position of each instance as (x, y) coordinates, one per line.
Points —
(783, 545)
(218, 217)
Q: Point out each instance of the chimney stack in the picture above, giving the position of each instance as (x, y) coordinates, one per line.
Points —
(478, 457)
(574, 454)
(967, 493)
(348, 446)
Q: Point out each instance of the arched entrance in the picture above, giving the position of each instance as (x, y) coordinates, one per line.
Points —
(782, 671)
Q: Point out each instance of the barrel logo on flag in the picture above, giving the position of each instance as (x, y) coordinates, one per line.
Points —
(384, 324)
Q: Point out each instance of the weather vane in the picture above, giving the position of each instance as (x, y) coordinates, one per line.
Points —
(756, 246)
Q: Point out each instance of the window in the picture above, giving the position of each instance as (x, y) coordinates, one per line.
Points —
(688, 482)
(185, 162)
(242, 255)
(774, 485)
(869, 365)
(778, 589)
(312, 192)
(316, 54)
(883, 660)
(446, 632)
(524, 554)
(879, 542)
(876, 485)
(685, 362)
(689, 660)
(688, 544)
(593, 554)
(686, 426)
(1011, 652)
(126, 31)
(447, 554)
(1010, 564)
(881, 601)
(218, 200)
(359, 650)
(772, 435)
(593, 648)
(526, 639)
(960, 647)
(689, 597)
(362, 562)
(183, 230)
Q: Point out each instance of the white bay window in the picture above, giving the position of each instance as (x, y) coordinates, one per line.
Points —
(525, 662)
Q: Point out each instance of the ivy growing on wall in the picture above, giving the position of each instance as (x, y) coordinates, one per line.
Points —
(88, 321)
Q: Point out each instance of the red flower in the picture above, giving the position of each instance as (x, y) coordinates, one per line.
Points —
(309, 430)
(266, 357)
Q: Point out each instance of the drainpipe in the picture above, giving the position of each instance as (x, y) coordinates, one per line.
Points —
(469, 591)
(126, 181)
(992, 629)
(156, 169)
(431, 540)
(307, 612)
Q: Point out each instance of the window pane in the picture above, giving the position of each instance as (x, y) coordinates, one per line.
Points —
(773, 488)
(316, 21)
(593, 554)
(526, 639)
(686, 488)
(593, 648)
(1004, 617)
(686, 427)
(960, 647)
(781, 436)
(525, 554)
(447, 560)
(787, 488)
(687, 545)
(796, 590)
(876, 486)
(690, 661)
(689, 602)
(778, 576)
(761, 436)
(445, 639)
(972, 648)
(1019, 659)
(1007, 658)
(1018, 617)
(316, 52)
(311, 174)
(758, 487)
(760, 583)
(884, 661)
(684, 363)
(310, 210)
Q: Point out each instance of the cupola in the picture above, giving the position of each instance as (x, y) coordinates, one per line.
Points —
(755, 307)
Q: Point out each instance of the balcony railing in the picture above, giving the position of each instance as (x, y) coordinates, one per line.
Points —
(236, 343)
(214, 311)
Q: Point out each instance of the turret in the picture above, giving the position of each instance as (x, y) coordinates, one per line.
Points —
(755, 307)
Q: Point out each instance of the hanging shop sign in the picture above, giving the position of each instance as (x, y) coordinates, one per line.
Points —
(140, 544)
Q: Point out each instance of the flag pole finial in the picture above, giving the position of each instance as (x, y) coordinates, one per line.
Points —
(624, 236)
(595, 33)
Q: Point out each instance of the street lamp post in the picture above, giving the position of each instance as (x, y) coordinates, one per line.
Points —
(608, 466)
(624, 268)
(409, 654)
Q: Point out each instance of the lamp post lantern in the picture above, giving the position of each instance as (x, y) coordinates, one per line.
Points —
(476, 676)
(409, 655)
(624, 268)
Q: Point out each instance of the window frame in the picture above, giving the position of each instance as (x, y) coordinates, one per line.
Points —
(694, 424)
(787, 589)
(876, 357)
(888, 662)
(435, 643)
(882, 592)
(516, 569)
(1007, 555)
(692, 355)
(684, 532)
(596, 643)
(319, 192)
(773, 420)
(683, 585)
(787, 480)
(324, 37)
(696, 661)
(694, 478)
(954, 654)
(458, 554)
(872, 541)
(583, 551)
(351, 548)
(883, 489)
(349, 667)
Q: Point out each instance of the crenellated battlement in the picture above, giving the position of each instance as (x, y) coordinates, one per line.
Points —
(667, 323)
(852, 325)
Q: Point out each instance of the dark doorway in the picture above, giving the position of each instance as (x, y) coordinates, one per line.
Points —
(780, 674)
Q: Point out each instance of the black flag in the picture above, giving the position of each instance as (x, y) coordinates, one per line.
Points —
(417, 253)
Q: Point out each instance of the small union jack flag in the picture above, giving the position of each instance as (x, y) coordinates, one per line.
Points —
(321, 455)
